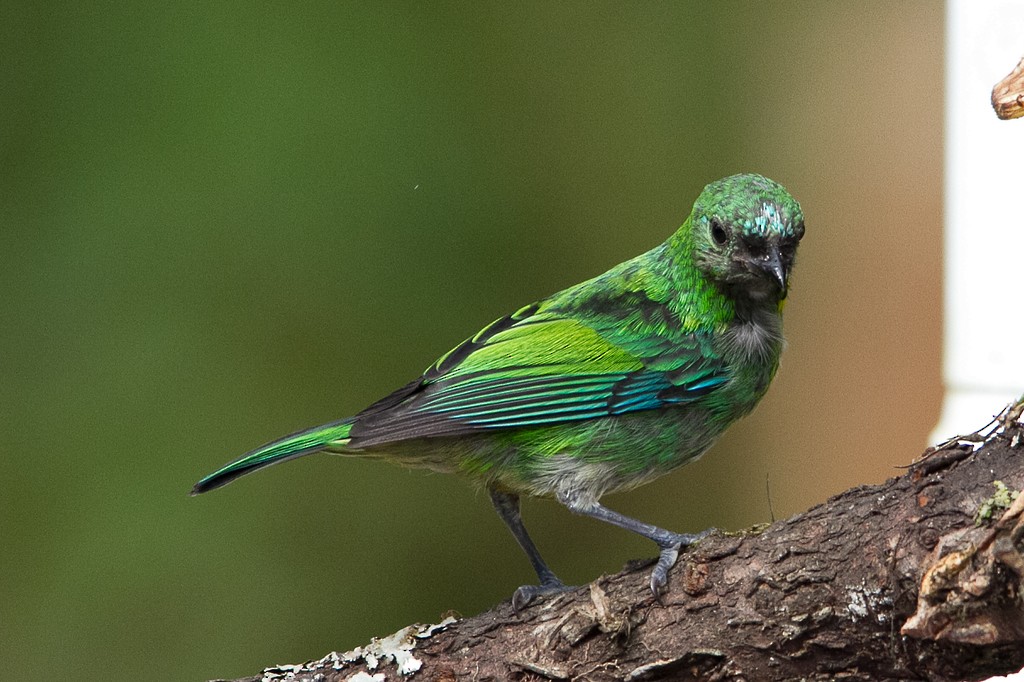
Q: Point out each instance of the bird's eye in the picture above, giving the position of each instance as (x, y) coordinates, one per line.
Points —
(718, 233)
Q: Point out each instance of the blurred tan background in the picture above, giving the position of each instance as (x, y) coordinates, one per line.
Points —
(220, 224)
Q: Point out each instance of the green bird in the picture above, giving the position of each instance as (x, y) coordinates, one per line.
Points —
(598, 388)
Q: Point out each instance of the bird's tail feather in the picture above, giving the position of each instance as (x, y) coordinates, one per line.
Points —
(296, 445)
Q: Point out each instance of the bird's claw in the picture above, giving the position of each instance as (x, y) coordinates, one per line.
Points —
(669, 555)
(523, 596)
(659, 576)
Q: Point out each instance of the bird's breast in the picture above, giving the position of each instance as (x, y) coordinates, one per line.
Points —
(754, 338)
(751, 347)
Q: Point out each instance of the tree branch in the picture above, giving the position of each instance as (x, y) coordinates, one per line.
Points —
(919, 578)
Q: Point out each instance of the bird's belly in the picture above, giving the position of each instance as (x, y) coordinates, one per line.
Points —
(590, 457)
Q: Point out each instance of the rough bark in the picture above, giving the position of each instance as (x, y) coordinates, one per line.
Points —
(919, 578)
(1008, 94)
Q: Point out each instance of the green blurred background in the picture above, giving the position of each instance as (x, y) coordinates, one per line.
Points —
(222, 222)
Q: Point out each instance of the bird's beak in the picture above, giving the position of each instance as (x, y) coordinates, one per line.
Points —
(771, 264)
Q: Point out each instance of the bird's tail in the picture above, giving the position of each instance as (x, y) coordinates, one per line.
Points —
(298, 444)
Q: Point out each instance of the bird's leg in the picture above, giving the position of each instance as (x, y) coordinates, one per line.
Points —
(669, 542)
(507, 505)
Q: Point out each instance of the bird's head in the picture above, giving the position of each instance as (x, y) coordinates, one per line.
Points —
(745, 230)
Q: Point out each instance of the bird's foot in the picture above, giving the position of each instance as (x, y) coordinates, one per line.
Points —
(527, 593)
(670, 547)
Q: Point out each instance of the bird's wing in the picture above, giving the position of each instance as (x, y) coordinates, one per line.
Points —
(529, 370)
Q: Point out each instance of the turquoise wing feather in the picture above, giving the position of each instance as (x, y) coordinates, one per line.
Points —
(536, 368)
